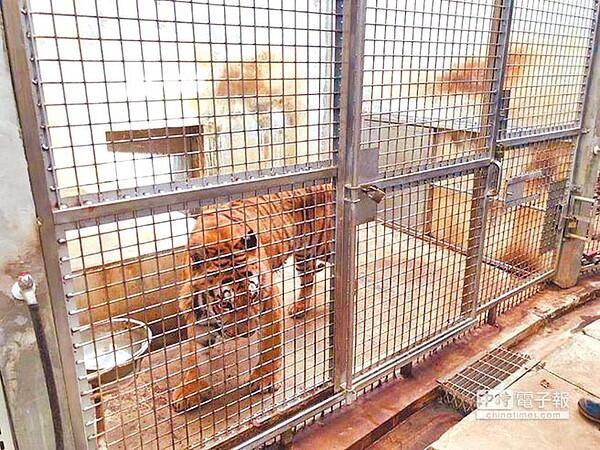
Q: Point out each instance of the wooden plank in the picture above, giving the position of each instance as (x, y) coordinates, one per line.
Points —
(165, 141)
(183, 141)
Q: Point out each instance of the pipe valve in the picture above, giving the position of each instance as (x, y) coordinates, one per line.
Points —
(24, 288)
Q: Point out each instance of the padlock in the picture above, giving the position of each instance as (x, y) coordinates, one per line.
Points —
(373, 192)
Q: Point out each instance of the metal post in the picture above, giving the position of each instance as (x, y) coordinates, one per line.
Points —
(584, 174)
(490, 120)
(354, 16)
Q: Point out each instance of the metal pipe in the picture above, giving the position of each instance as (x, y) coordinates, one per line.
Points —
(175, 188)
(449, 169)
(22, 57)
(24, 290)
(196, 194)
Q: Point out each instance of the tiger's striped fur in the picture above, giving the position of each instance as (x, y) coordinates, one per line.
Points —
(233, 250)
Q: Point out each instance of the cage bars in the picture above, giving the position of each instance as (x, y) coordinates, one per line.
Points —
(422, 86)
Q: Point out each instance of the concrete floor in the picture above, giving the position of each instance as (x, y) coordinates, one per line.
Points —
(573, 371)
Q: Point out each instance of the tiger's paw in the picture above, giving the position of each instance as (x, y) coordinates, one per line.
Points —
(263, 383)
(298, 309)
(187, 397)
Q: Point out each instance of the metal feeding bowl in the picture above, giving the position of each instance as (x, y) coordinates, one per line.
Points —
(114, 348)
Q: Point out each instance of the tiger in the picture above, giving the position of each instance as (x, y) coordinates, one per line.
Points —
(229, 290)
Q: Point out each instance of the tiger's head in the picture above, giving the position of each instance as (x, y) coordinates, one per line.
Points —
(225, 276)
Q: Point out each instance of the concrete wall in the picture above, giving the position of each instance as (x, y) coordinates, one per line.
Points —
(19, 251)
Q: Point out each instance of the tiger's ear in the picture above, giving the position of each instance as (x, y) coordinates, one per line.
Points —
(250, 241)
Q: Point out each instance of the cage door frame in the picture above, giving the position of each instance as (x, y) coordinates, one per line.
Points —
(350, 193)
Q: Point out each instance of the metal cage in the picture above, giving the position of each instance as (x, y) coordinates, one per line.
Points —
(252, 210)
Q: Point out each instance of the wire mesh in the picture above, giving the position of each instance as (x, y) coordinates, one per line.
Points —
(548, 64)
(409, 289)
(421, 112)
(417, 108)
(431, 91)
(125, 271)
(149, 97)
(514, 300)
(522, 230)
(144, 96)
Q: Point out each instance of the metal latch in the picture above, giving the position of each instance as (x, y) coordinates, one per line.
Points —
(373, 192)
(515, 189)
(551, 226)
(581, 210)
(572, 225)
(494, 178)
(369, 195)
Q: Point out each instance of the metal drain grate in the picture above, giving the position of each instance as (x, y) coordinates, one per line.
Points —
(495, 370)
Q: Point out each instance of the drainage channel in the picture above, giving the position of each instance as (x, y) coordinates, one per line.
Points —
(424, 421)
(486, 377)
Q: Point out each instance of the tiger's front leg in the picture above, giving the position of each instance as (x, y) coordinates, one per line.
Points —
(265, 375)
(306, 269)
(193, 387)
